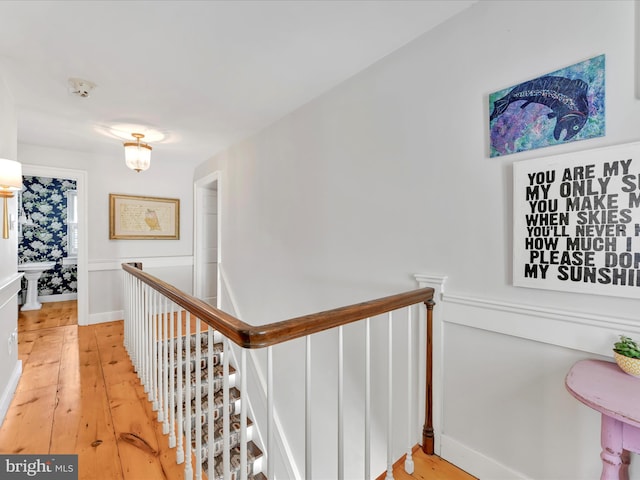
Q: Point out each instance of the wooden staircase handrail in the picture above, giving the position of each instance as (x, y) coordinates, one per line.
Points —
(259, 336)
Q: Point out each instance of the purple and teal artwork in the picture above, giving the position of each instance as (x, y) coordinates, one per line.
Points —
(563, 106)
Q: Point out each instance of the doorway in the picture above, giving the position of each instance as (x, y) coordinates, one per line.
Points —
(81, 312)
(207, 253)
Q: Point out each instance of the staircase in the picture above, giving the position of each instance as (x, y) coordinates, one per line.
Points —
(255, 455)
(193, 408)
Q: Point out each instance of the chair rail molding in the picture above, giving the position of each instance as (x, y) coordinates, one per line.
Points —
(570, 329)
(564, 328)
(148, 262)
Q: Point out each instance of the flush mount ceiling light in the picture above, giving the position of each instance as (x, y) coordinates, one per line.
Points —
(10, 182)
(137, 155)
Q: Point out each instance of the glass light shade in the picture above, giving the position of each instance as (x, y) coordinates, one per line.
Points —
(10, 175)
(137, 156)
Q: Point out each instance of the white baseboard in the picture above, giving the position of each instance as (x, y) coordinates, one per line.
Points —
(62, 297)
(7, 395)
(472, 461)
(104, 317)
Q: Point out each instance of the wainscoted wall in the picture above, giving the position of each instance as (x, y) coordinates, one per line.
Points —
(512, 360)
(44, 238)
(105, 282)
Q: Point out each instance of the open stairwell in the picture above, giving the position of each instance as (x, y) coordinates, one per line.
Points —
(210, 426)
(195, 390)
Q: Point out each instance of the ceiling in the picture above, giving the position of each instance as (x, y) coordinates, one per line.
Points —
(204, 74)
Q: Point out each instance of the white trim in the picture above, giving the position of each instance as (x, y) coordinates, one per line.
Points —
(147, 262)
(60, 297)
(10, 288)
(81, 178)
(199, 186)
(69, 261)
(104, 317)
(585, 332)
(436, 282)
(474, 462)
(10, 390)
(552, 326)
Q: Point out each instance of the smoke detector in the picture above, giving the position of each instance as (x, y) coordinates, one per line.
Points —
(81, 87)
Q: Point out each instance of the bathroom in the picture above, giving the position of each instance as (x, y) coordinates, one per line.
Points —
(48, 232)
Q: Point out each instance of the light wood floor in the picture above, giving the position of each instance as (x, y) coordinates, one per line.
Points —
(78, 394)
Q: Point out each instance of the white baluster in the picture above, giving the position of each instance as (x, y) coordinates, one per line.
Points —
(165, 369)
(389, 397)
(132, 313)
(367, 400)
(161, 360)
(243, 414)
(172, 376)
(198, 399)
(340, 404)
(226, 453)
(126, 284)
(146, 334)
(270, 422)
(154, 350)
(188, 468)
(180, 400)
(408, 462)
(135, 341)
(210, 406)
(127, 314)
(307, 411)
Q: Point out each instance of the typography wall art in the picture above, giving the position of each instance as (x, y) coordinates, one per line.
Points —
(577, 222)
(560, 107)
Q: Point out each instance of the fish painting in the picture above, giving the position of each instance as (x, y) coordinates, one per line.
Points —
(566, 98)
(562, 106)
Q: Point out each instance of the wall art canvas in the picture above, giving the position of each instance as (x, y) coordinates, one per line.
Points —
(143, 218)
(563, 106)
(577, 222)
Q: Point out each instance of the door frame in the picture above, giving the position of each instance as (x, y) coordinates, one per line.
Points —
(81, 178)
(200, 187)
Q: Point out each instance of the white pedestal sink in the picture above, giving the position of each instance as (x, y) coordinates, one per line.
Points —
(32, 272)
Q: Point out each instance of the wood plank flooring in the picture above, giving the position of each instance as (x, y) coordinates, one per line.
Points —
(79, 394)
(428, 467)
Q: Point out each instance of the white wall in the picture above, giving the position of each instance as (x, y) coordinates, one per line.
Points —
(9, 277)
(388, 175)
(170, 260)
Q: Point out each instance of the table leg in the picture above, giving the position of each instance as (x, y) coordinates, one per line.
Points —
(614, 459)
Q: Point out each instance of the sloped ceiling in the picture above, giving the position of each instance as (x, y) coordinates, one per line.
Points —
(205, 74)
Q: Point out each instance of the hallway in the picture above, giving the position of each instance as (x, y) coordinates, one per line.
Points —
(78, 394)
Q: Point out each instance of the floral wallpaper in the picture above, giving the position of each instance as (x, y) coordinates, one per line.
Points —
(44, 235)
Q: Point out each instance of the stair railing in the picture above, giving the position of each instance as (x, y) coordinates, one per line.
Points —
(163, 325)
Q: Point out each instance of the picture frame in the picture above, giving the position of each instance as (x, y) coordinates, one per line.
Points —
(563, 106)
(133, 217)
(576, 222)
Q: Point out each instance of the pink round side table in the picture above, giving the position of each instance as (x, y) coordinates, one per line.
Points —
(604, 387)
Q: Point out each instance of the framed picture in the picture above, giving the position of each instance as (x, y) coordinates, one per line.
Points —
(143, 218)
(563, 106)
(576, 225)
